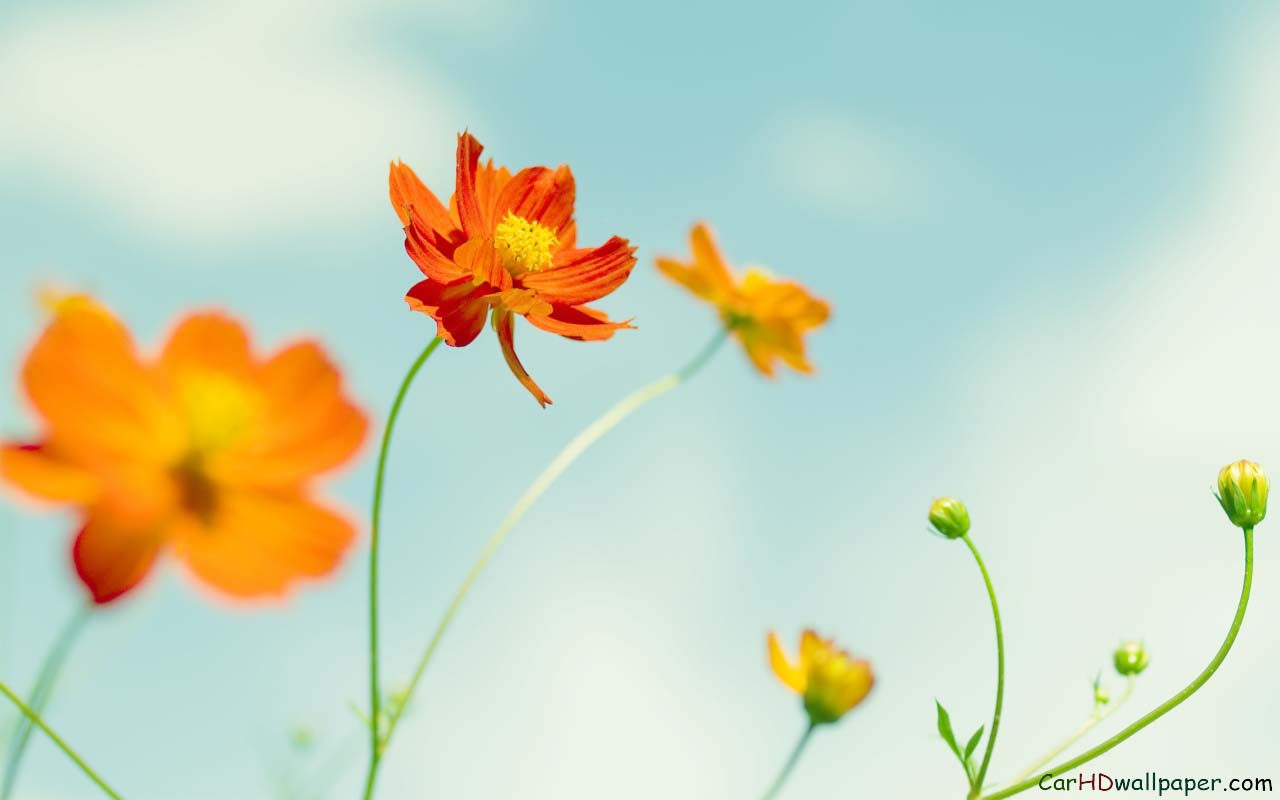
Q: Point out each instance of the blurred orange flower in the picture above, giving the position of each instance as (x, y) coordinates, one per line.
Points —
(206, 451)
(830, 681)
(769, 316)
(507, 243)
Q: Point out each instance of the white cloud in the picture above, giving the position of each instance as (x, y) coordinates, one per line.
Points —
(213, 121)
(848, 165)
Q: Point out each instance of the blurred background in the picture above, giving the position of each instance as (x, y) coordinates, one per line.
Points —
(1049, 235)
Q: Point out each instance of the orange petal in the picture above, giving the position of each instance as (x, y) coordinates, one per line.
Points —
(791, 675)
(478, 259)
(41, 473)
(83, 375)
(208, 340)
(503, 325)
(459, 308)
(423, 247)
(707, 275)
(490, 181)
(542, 195)
(473, 221)
(309, 426)
(260, 544)
(409, 193)
(578, 322)
(581, 276)
(112, 556)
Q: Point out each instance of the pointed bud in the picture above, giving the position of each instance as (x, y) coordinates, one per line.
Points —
(949, 517)
(1242, 493)
(1131, 658)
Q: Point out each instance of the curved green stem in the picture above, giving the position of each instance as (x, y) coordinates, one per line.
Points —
(40, 694)
(976, 788)
(579, 445)
(1094, 719)
(1166, 706)
(66, 748)
(375, 691)
(790, 766)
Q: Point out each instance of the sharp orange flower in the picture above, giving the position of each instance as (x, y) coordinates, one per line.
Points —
(768, 316)
(507, 244)
(205, 451)
(829, 680)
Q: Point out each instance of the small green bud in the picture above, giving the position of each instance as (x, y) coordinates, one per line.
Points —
(1100, 694)
(1131, 658)
(949, 517)
(1242, 493)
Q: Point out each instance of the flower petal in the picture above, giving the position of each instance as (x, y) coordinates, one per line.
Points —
(469, 213)
(211, 341)
(423, 247)
(581, 276)
(113, 555)
(791, 675)
(542, 195)
(410, 194)
(478, 260)
(504, 327)
(309, 426)
(84, 377)
(458, 308)
(259, 544)
(41, 473)
(578, 322)
(707, 275)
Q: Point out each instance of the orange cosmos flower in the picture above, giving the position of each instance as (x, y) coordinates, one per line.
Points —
(206, 451)
(506, 243)
(830, 681)
(768, 316)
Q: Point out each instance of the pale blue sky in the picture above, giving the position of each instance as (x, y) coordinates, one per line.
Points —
(1048, 236)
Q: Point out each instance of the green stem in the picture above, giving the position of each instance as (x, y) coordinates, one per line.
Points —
(976, 788)
(579, 445)
(375, 691)
(790, 766)
(66, 748)
(1094, 719)
(1166, 706)
(40, 694)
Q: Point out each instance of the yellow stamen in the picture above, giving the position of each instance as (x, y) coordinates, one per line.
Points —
(218, 410)
(522, 245)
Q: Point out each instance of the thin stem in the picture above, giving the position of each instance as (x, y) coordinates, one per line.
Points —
(579, 445)
(375, 691)
(40, 694)
(976, 788)
(790, 766)
(66, 748)
(1172, 702)
(1094, 719)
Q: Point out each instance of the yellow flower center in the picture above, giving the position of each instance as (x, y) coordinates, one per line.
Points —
(522, 245)
(218, 410)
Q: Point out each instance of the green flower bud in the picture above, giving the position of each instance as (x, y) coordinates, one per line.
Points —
(1131, 658)
(949, 517)
(1242, 493)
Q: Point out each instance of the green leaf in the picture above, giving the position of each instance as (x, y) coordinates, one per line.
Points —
(944, 729)
(973, 743)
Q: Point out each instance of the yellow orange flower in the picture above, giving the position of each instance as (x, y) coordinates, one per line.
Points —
(768, 315)
(506, 243)
(830, 681)
(205, 451)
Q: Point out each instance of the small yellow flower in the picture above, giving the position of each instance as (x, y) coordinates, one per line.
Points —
(830, 681)
(769, 316)
(1242, 493)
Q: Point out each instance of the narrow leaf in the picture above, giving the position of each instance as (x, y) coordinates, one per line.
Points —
(973, 742)
(944, 729)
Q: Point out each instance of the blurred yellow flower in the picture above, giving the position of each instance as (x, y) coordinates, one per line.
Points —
(768, 315)
(830, 681)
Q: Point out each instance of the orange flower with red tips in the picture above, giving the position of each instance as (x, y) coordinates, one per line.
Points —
(507, 244)
(829, 681)
(205, 451)
(769, 316)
